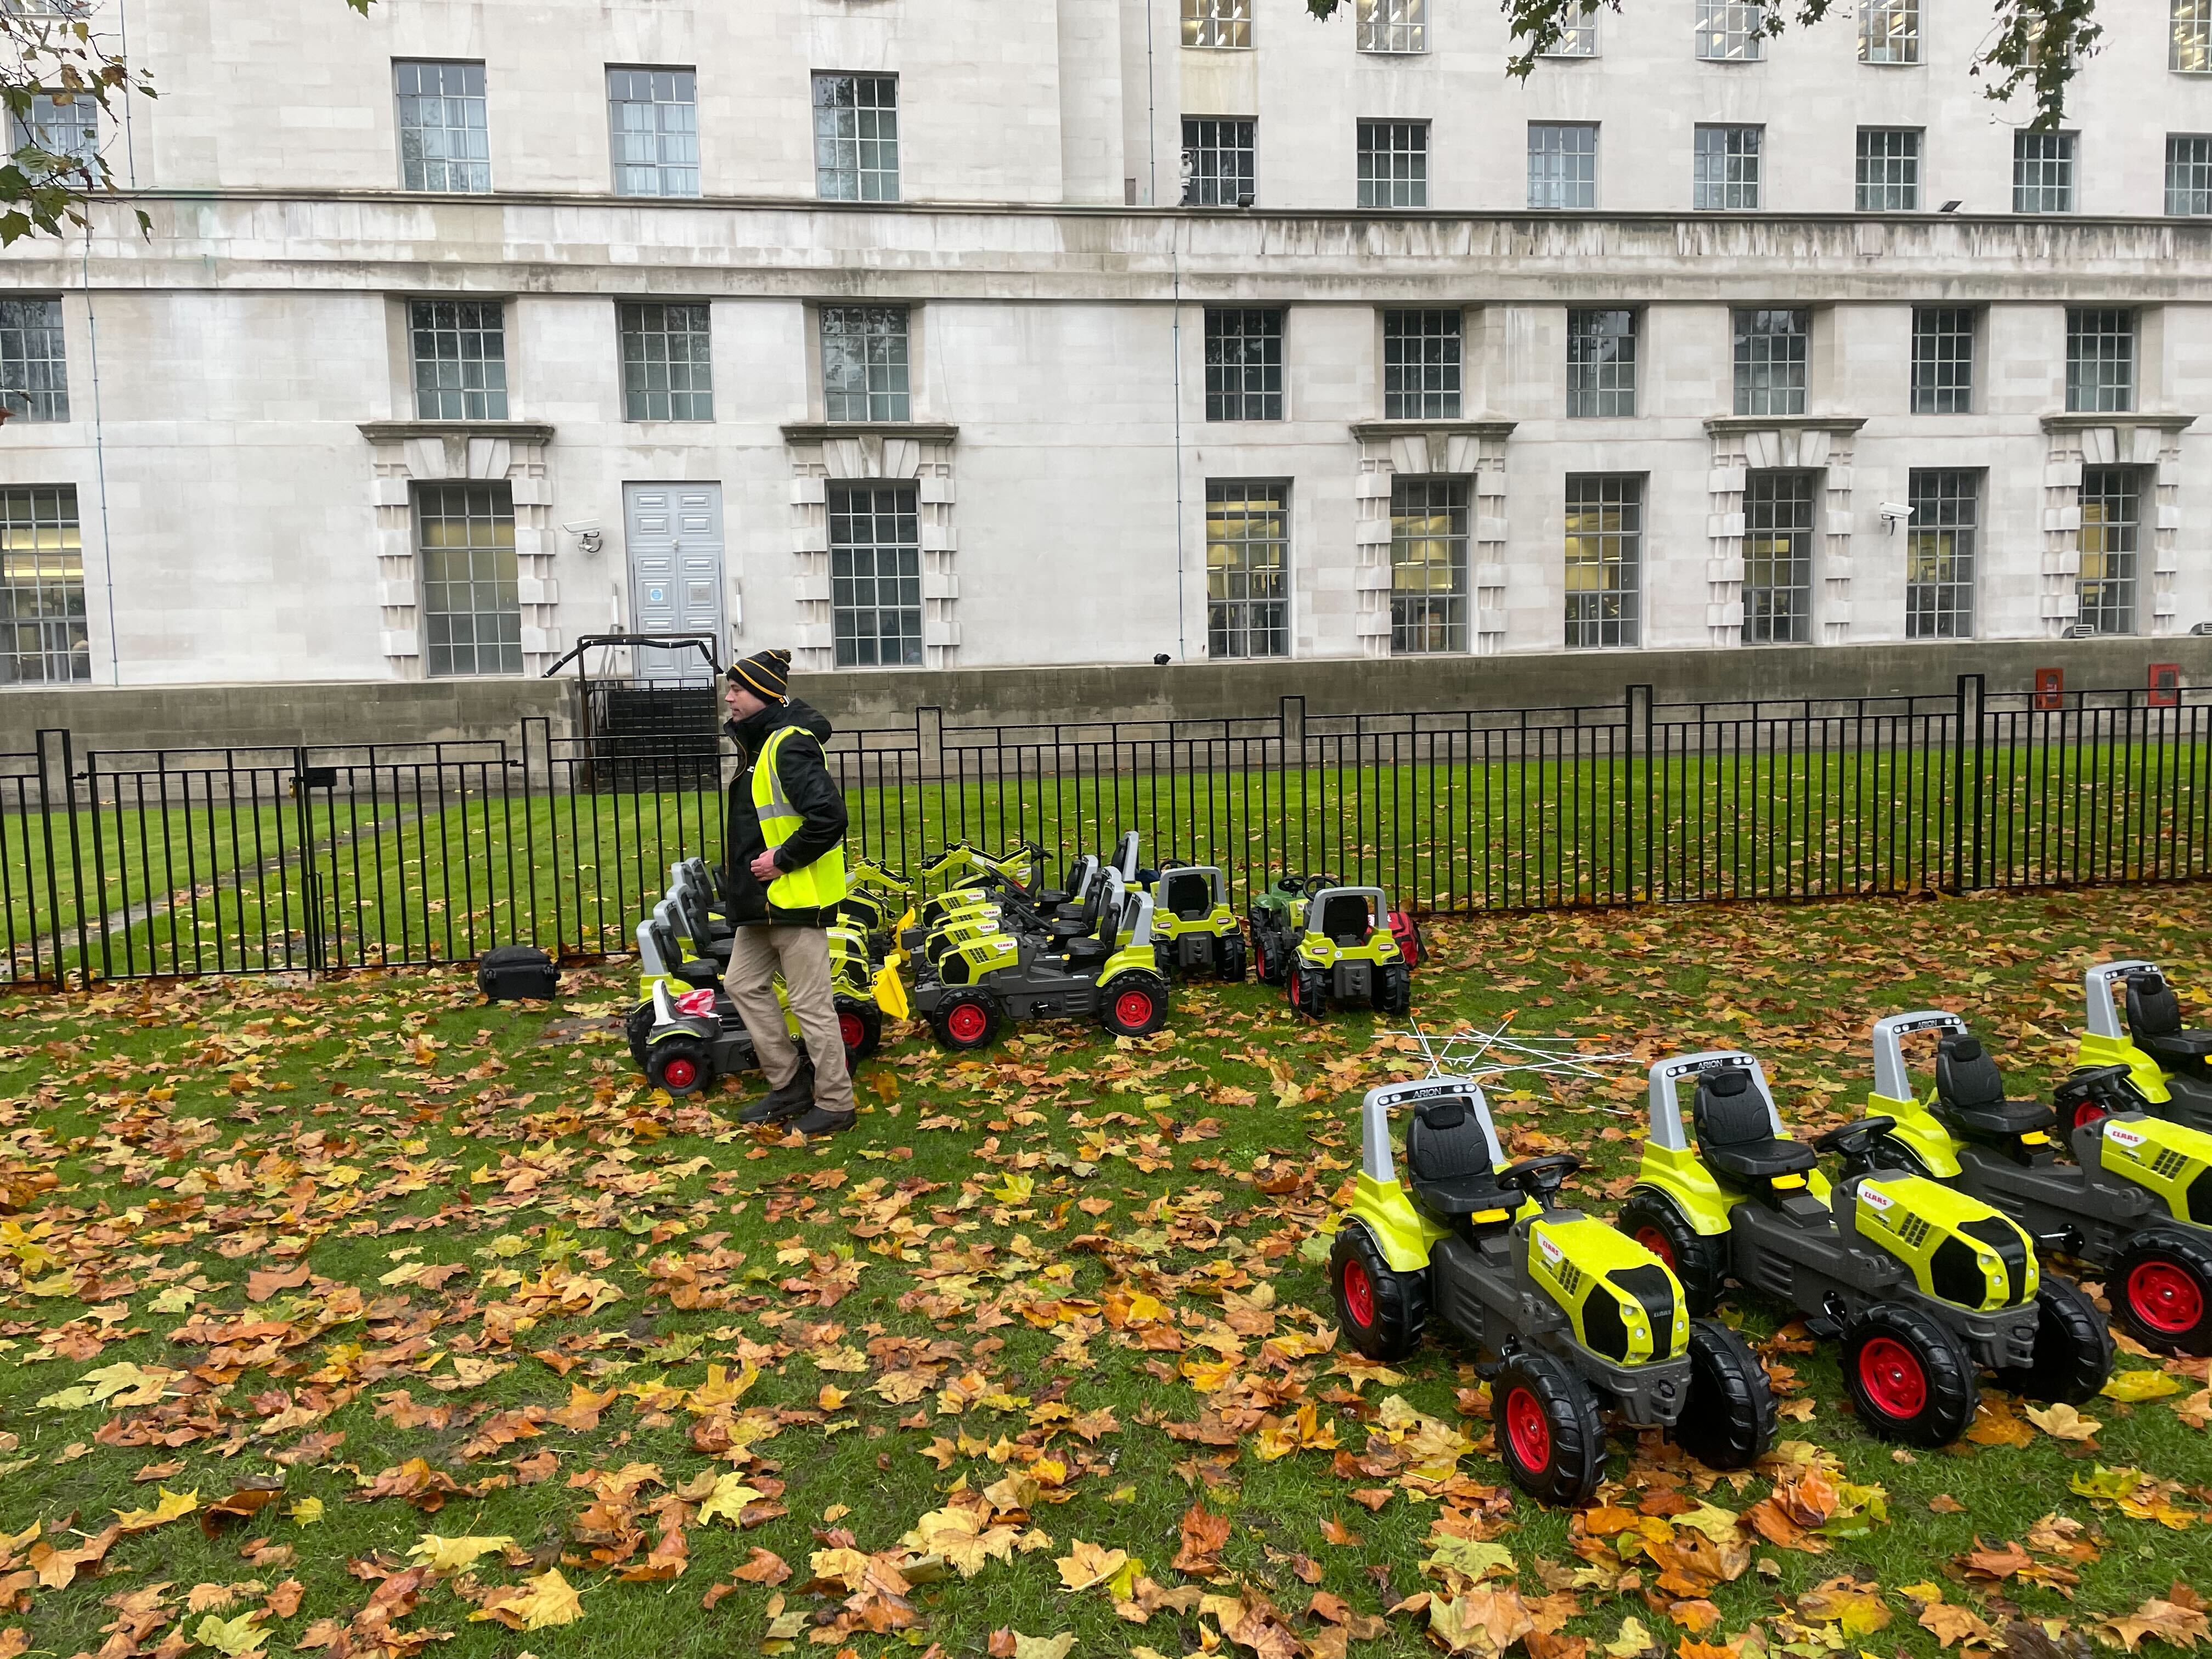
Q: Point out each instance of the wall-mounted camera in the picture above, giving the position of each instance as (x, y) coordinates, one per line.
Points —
(587, 532)
(1894, 514)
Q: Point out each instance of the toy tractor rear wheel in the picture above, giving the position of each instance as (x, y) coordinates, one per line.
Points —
(1728, 1421)
(2160, 1286)
(1133, 1005)
(1657, 1222)
(861, 1025)
(1394, 990)
(2072, 1348)
(1309, 990)
(1548, 1435)
(1909, 1377)
(1229, 957)
(680, 1065)
(967, 1020)
(637, 1026)
(1380, 1309)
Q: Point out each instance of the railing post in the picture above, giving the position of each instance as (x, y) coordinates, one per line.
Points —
(929, 766)
(1636, 709)
(311, 894)
(1966, 849)
(47, 833)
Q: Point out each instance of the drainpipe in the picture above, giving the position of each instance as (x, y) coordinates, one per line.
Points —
(99, 468)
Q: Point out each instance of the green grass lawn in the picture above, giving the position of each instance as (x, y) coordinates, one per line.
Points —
(438, 1269)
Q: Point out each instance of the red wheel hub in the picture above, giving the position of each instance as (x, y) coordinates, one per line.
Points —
(966, 1022)
(1890, 1373)
(2165, 1297)
(851, 1031)
(680, 1073)
(2084, 1111)
(1527, 1429)
(1133, 1007)
(1359, 1295)
(1657, 1243)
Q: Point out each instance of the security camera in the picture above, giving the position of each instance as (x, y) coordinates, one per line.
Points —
(1894, 514)
(587, 532)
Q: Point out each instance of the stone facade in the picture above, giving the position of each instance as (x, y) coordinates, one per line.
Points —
(247, 467)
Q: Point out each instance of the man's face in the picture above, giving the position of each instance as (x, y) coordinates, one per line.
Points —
(741, 701)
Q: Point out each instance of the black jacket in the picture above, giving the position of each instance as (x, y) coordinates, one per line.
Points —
(808, 786)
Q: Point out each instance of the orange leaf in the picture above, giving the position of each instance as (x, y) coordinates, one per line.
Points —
(1204, 1534)
(264, 1284)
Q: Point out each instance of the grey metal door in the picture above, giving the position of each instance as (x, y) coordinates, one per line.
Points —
(674, 535)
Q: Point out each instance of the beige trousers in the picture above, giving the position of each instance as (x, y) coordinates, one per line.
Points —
(757, 953)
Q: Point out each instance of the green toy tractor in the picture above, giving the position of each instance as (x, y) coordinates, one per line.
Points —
(1194, 929)
(1575, 1318)
(2168, 1067)
(1326, 942)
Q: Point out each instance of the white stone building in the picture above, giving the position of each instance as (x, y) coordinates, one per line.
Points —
(879, 328)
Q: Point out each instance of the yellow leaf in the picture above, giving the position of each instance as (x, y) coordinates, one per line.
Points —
(1634, 1639)
(534, 1604)
(1087, 1564)
(2139, 1385)
(231, 1636)
(307, 1511)
(1043, 1647)
(174, 1505)
(444, 1555)
(1016, 1189)
(728, 1500)
(2062, 1422)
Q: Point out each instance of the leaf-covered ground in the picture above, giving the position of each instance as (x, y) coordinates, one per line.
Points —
(360, 1317)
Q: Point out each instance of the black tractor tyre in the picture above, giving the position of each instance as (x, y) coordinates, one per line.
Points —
(1727, 1422)
(860, 1023)
(2160, 1287)
(1230, 957)
(1133, 1005)
(1266, 956)
(637, 1026)
(1394, 990)
(2072, 1348)
(680, 1065)
(1309, 990)
(1547, 1431)
(1909, 1377)
(1380, 1309)
(1657, 1222)
(966, 1020)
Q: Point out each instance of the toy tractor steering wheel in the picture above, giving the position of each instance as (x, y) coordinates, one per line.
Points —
(1540, 1178)
(1855, 1141)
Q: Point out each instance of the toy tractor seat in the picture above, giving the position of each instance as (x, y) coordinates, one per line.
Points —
(697, 971)
(1345, 919)
(1447, 1158)
(1970, 1096)
(1189, 897)
(1736, 1133)
(2154, 1020)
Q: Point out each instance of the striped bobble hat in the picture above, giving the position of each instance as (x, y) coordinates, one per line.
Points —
(766, 673)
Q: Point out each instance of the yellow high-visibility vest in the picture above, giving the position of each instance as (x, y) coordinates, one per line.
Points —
(815, 886)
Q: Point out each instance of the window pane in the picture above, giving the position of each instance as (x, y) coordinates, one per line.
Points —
(2112, 527)
(2100, 359)
(653, 118)
(1578, 35)
(1393, 25)
(875, 575)
(1770, 362)
(667, 363)
(42, 619)
(1217, 22)
(34, 374)
(1562, 165)
(1889, 31)
(2043, 173)
(1428, 564)
(1243, 364)
(1889, 170)
(1942, 360)
(444, 140)
(472, 618)
(1248, 551)
(863, 363)
(1600, 363)
(1939, 555)
(856, 137)
(1420, 365)
(1727, 161)
(1777, 558)
(2188, 172)
(2190, 49)
(460, 360)
(1217, 162)
(1604, 559)
(69, 131)
(1393, 164)
(1728, 30)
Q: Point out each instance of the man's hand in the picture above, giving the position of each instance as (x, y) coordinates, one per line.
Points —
(764, 868)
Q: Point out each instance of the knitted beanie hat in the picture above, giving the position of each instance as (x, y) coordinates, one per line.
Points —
(766, 674)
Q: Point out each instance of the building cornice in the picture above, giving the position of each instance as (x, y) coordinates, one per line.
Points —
(1481, 426)
(822, 432)
(2081, 421)
(1717, 424)
(518, 432)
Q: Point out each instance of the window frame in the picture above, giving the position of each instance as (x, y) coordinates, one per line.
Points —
(1383, 18)
(1730, 157)
(698, 371)
(1203, 17)
(884, 385)
(904, 508)
(2086, 323)
(2026, 194)
(830, 137)
(1748, 363)
(1225, 403)
(1235, 619)
(1942, 606)
(1911, 187)
(2180, 48)
(1731, 31)
(1592, 369)
(504, 580)
(1910, 35)
(625, 173)
(481, 98)
(1580, 37)
(2200, 191)
(1408, 164)
(1206, 189)
(2118, 583)
(1446, 367)
(1586, 626)
(1942, 388)
(1427, 613)
(1560, 161)
(34, 404)
(427, 317)
(1797, 614)
(46, 607)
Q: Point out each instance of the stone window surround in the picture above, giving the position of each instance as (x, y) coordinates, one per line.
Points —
(1800, 443)
(2151, 441)
(857, 451)
(403, 453)
(1474, 449)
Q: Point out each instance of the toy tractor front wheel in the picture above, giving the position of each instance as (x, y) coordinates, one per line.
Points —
(1727, 1422)
(1657, 1222)
(1309, 990)
(861, 1025)
(967, 1020)
(637, 1029)
(1394, 990)
(1548, 1434)
(1381, 1309)
(680, 1065)
(1909, 1377)
(2072, 1348)
(2160, 1286)
(1133, 1005)
(1229, 957)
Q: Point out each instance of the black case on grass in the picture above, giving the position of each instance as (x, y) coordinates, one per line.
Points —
(518, 970)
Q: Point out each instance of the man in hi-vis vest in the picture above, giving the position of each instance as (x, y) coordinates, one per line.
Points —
(784, 876)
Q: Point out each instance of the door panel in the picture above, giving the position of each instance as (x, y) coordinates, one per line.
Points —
(674, 535)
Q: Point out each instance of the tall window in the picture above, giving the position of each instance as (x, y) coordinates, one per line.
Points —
(2043, 173)
(1420, 365)
(1393, 164)
(1942, 360)
(1939, 554)
(1562, 164)
(863, 363)
(1726, 167)
(471, 608)
(1393, 25)
(1217, 22)
(1777, 558)
(2189, 51)
(1578, 35)
(1217, 162)
(1247, 555)
(1428, 565)
(1770, 362)
(1243, 364)
(445, 142)
(1728, 30)
(460, 360)
(70, 130)
(856, 145)
(1889, 31)
(42, 627)
(33, 370)
(875, 575)
(652, 120)
(2100, 359)
(2188, 174)
(2112, 524)
(667, 367)
(1889, 170)
(1600, 363)
(1605, 559)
